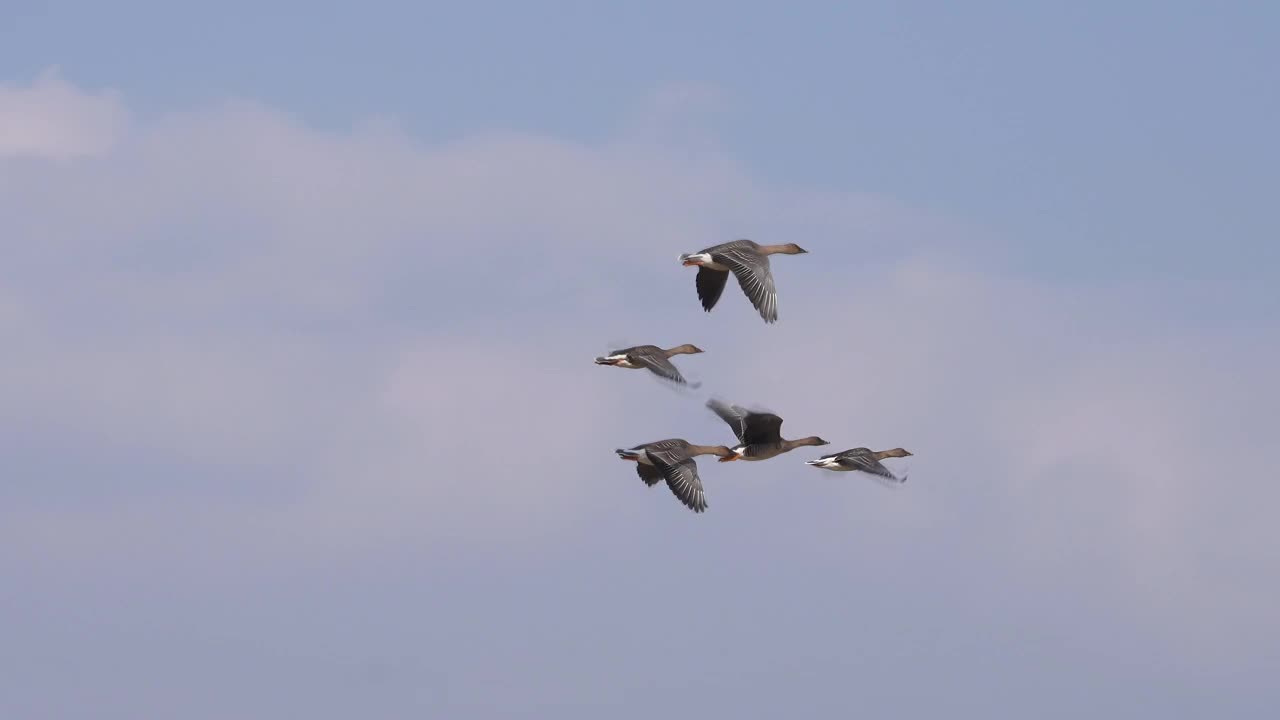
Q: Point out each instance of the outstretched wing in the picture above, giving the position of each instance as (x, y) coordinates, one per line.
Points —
(682, 478)
(865, 463)
(754, 276)
(649, 474)
(735, 416)
(658, 363)
(671, 458)
(710, 284)
(762, 428)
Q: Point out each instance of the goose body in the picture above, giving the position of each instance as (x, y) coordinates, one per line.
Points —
(673, 460)
(862, 460)
(749, 262)
(759, 433)
(651, 358)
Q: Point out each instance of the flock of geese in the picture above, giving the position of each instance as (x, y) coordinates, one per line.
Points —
(759, 433)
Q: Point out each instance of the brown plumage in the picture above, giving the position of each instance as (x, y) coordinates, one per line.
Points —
(749, 262)
(863, 460)
(651, 358)
(673, 460)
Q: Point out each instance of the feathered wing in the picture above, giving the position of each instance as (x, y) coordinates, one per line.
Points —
(658, 364)
(865, 463)
(762, 428)
(733, 415)
(683, 480)
(754, 276)
(649, 474)
(681, 474)
(710, 284)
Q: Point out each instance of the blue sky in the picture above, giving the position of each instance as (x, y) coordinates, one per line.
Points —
(299, 302)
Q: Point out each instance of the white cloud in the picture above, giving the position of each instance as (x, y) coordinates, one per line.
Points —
(54, 119)
(408, 327)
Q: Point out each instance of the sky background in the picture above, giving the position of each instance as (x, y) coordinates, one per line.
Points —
(298, 306)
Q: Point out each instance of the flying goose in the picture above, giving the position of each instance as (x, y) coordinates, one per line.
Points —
(863, 460)
(759, 433)
(673, 460)
(749, 261)
(652, 358)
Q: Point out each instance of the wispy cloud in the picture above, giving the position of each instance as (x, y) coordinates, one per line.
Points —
(389, 342)
(52, 118)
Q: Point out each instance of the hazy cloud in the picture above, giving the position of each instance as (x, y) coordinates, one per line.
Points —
(240, 345)
(53, 119)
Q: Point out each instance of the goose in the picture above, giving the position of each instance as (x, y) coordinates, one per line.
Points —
(652, 358)
(749, 261)
(673, 460)
(759, 433)
(862, 460)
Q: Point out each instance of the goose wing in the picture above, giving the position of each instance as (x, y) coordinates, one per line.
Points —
(710, 284)
(862, 461)
(649, 474)
(684, 482)
(657, 363)
(754, 277)
(681, 474)
(733, 415)
(762, 428)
